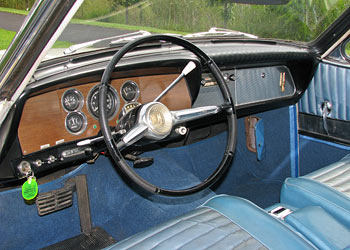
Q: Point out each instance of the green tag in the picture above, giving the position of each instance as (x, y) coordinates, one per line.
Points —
(30, 189)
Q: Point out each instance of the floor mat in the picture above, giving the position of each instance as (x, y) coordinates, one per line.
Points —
(94, 240)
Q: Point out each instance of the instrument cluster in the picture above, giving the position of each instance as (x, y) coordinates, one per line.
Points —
(73, 101)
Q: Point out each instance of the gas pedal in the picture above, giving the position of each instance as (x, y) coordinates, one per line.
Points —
(55, 200)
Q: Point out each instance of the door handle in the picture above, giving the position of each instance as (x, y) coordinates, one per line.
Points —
(326, 109)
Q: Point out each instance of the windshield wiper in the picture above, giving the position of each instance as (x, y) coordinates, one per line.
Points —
(120, 38)
(214, 31)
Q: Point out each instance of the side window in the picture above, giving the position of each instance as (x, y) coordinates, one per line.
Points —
(346, 50)
(341, 54)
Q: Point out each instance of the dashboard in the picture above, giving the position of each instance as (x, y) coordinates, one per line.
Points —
(69, 114)
(58, 109)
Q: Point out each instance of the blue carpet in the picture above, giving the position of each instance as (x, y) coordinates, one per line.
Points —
(315, 154)
(260, 181)
(121, 211)
(114, 206)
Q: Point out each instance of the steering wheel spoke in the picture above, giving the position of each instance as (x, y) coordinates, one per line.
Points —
(186, 115)
(133, 135)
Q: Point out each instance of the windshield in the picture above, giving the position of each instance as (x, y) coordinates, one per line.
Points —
(299, 20)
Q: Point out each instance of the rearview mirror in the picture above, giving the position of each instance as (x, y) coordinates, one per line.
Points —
(263, 2)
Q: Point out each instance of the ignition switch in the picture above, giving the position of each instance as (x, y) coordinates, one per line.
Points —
(24, 168)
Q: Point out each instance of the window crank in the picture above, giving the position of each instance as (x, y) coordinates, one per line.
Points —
(326, 109)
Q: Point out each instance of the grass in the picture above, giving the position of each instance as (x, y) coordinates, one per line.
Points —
(103, 24)
(14, 11)
(62, 44)
(6, 37)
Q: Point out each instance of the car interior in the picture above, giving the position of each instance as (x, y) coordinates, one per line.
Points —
(172, 143)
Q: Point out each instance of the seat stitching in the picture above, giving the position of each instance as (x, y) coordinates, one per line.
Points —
(235, 222)
(336, 166)
(342, 164)
(327, 201)
(242, 242)
(340, 187)
(201, 235)
(196, 223)
(174, 235)
(167, 227)
(210, 219)
(333, 176)
(229, 234)
(339, 184)
(211, 225)
(336, 179)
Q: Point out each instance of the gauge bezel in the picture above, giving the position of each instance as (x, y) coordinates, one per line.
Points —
(85, 123)
(81, 100)
(115, 96)
(137, 95)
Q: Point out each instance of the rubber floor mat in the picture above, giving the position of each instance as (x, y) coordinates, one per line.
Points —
(96, 239)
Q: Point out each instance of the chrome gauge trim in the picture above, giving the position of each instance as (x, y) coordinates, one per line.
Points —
(80, 96)
(84, 125)
(113, 94)
(122, 91)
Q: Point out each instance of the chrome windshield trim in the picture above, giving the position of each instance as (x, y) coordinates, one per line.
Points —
(120, 38)
(7, 104)
(214, 31)
(345, 36)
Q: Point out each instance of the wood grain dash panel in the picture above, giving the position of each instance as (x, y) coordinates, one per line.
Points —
(43, 117)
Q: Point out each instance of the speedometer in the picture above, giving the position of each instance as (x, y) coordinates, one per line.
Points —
(112, 102)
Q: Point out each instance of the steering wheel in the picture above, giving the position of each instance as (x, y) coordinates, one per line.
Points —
(155, 121)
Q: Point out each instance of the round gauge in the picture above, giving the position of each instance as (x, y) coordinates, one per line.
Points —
(72, 100)
(112, 102)
(130, 91)
(76, 123)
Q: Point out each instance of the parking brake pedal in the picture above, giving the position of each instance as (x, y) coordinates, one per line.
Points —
(55, 200)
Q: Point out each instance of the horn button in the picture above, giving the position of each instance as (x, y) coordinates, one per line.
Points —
(158, 119)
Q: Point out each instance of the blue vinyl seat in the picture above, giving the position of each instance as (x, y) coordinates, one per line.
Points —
(223, 222)
(328, 187)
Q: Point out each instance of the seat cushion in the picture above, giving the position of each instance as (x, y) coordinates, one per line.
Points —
(223, 222)
(328, 188)
(320, 228)
(336, 176)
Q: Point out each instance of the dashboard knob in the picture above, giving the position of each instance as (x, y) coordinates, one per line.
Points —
(51, 159)
(38, 162)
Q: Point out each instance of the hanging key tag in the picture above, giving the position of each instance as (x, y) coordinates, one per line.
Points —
(30, 188)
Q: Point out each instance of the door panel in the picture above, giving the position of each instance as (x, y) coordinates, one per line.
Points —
(331, 83)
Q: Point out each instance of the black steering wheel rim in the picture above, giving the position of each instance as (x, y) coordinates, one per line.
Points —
(228, 102)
